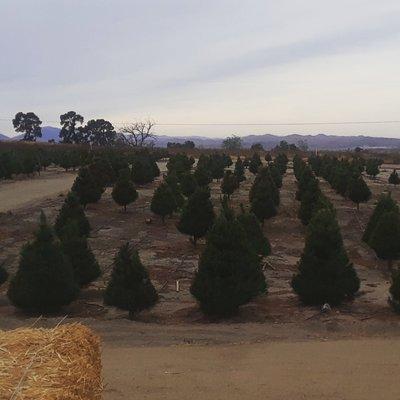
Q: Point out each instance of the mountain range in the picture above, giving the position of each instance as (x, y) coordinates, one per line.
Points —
(320, 141)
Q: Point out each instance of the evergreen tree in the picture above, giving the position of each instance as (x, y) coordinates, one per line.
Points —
(188, 184)
(130, 287)
(372, 167)
(102, 170)
(197, 215)
(76, 248)
(143, 171)
(325, 273)
(86, 187)
(44, 281)
(254, 233)
(275, 175)
(217, 166)
(394, 178)
(172, 181)
(268, 157)
(70, 211)
(124, 191)
(229, 273)
(202, 175)
(255, 163)
(281, 161)
(385, 238)
(358, 191)
(229, 184)
(239, 170)
(163, 202)
(384, 204)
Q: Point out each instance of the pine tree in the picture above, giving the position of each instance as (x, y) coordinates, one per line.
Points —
(76, 248)
(130, 287)
(385, 238)
(229, 183)
(394, 178)
(124, 191)
(163, 202)
(255, 163)
(309, 201)
(172, 181)
(188, 183)
(44, 281)
(70, 211)
(325, 273)
(276, 175)
(358, 191)
(202, 175)
(384, 204)
(197, 215)
(239, 170)
(143, 171)
(229, 273)
(103, 172)
(254, 233)
(281, 161)
(86, 187)
(372, 168)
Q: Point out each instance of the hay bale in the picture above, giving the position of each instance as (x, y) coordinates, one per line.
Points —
(50, 364)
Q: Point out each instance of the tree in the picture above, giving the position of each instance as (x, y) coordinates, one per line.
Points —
(197, 215)
(87, 187)
(229, 183)
(69, 132)
(275, 175)
(385, 204)
(232, 143)
(239, 170)
(254, 233)
(44, 281)
(385, 239)
(188, 184)
(29, 125)
(229, 273)
(72, 211)
(138, 133)
(255, 163)
(268, 157)
(281, 161)
(394, 178)
(325, 273)
(124, 192)
(142, 171)
(202, 175)
(372, 167)
(102, 170)
(257, 147)
(76, 248)
(172, 181)
(163, 202)
(358, 191)
(98, 132)
(130, 287)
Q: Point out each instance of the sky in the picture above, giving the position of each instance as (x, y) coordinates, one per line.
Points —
(240, 64)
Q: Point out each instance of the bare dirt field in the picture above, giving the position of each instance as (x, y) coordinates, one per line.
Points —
(274, 347)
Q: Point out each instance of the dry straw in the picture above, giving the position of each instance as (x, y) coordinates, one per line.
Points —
(50, 364)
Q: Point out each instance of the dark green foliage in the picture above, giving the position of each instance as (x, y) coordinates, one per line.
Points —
(98, 132)
(69, 132)
(307, 179)
(394, 178)
(254, 233)
(3, 274)
(197, 215)
(188, 183)
(325, 272)
(180, 164)
(76, 248)
(217, 166)
(268, 157)
(172, 181)
(130, 287)
(87, 187)
(255, 163)
(315, 162)
(385, 238)
(239, 170)
(44, 281)
(163, 202)
(229, 183)
(124, 191)
(358, 191)
(72, 211)
(227, 160)
(275, 175)
(229, 273)
(281, 161)
(384, 204)
(202, 175)
(29, 125)
(143, 171)
(102, 170)
(372, 167)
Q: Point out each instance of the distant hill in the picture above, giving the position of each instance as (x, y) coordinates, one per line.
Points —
(320, 141)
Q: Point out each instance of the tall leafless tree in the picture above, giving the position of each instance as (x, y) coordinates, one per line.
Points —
(136, 134)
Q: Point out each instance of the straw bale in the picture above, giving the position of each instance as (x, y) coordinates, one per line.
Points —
(50, 364)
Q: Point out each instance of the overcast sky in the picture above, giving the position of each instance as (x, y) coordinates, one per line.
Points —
(205, 61)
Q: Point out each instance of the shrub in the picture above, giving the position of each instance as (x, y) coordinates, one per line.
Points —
(87, 187)
(124, 191)
(163, 202)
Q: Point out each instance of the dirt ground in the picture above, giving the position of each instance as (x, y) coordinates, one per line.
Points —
(312, 353)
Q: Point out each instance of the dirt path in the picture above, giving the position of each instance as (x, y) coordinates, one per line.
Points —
(345, 370)
(19, 193)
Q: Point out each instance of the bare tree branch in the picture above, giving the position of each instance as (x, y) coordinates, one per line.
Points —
(136, 134)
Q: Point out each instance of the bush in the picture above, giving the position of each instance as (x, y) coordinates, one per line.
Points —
(163, 202)
(44, 281)
(130, 287)
(124, 192)
(87, 187)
